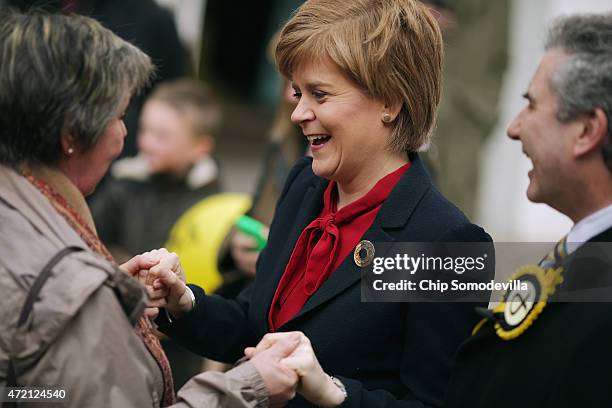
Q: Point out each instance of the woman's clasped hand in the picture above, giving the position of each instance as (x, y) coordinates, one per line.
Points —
(162, 275)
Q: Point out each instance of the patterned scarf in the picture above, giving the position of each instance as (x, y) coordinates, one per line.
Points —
(144, 328)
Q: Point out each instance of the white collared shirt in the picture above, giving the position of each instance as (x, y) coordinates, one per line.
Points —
(589, 227)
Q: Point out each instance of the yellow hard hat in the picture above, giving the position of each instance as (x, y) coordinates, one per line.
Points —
(197, 236)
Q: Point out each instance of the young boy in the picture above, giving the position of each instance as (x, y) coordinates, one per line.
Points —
(136, 208)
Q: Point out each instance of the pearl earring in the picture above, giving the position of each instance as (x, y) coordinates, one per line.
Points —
(386, 118)
(70, 151)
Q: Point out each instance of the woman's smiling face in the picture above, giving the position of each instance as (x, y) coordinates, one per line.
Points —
(342, 123)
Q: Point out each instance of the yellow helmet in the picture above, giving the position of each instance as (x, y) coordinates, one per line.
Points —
(198, 234)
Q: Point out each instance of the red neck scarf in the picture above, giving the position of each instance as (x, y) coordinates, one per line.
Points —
(323, 246)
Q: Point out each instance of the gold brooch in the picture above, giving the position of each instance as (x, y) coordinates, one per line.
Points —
(364, 253)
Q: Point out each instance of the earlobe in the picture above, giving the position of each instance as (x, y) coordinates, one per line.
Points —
(593, 134)
(68, 142)
(390, 112)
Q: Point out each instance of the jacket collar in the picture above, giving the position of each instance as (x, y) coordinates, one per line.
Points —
(395, 213)
(605, 236)
(397, 208)
(17, 192)
(202, 173)
(405, 197)
(63, 186)
(309, 209)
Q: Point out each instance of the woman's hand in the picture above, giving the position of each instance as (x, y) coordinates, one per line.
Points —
(163, 277)
(157, 294)
(138, 267)
(167, 278)
(281, 382)
(316, 386)
(138, 263)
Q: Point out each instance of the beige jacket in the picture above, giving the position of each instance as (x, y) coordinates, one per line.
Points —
(79, 334)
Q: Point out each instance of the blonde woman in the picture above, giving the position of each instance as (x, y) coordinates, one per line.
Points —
(366, 76)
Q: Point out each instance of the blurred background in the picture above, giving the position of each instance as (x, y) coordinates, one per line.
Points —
(492, 47)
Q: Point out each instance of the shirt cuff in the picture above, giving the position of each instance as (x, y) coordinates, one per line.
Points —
(164, 319)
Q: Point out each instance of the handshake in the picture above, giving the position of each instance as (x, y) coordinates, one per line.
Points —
(163, 277)
(285, 361)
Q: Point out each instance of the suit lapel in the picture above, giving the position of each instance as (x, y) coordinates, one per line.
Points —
(605, 236)
(347, 274)
(395, 213)
(309, 209)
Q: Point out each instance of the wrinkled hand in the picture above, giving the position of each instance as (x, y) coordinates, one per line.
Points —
(157, 291)
(138, 267)
(166, 278)
(244, 252)
(138, 263)
(281, 382)
(316, 386)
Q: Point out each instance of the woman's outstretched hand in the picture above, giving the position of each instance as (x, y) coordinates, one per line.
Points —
(315, 385)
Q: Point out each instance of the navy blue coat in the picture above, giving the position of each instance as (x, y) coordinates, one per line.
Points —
(562, 360)
(387, 354)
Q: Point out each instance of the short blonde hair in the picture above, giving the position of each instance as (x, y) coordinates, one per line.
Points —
(193, 99)
(392, 49)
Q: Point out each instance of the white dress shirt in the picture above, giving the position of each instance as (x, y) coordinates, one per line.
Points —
(589, 227)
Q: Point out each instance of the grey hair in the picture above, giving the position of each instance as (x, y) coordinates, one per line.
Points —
(584, 81)
(61, 73)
